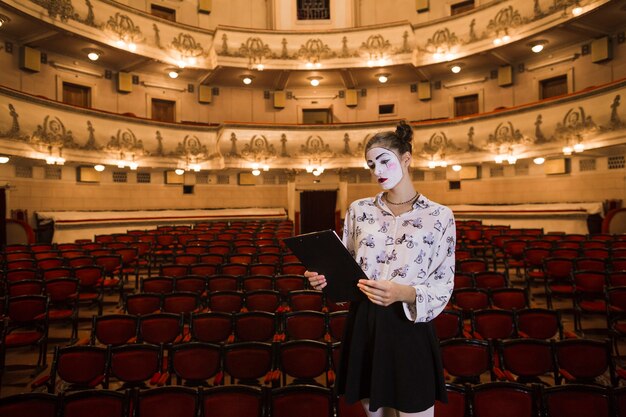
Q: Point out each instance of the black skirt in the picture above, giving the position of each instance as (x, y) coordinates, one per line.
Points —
(390, 360)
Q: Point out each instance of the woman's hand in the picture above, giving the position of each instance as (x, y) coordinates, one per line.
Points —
(316, 280)
(385, 293)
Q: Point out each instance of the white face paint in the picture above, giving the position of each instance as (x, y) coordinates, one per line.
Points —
(385, 166)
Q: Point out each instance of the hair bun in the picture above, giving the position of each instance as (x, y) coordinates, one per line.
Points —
(404, 131)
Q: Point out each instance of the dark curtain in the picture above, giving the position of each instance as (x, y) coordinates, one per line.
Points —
(317, 210)
(3, 217)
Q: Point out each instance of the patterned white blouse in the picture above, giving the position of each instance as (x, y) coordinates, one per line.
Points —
(415, 248)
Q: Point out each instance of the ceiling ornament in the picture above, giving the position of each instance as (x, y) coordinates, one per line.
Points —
(436, 149)
(233, 147)
(283, 146)
(126, 141)
(52, 132)
(62, 9)
(314, 50)
(14, 131)
(375, 48)
(314, 147)
(504, 20)
(187, 47)
(506, 140)
(124, 28)
(258, 150)
(442, 42)
(255, 50)
(91, 144)
(574, 127)
(471, 145)
(615, 123)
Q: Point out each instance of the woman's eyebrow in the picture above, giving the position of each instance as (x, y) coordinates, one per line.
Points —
(382, 154)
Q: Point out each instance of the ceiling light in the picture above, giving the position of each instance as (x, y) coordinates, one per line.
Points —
(432, 164)
(133, 166)
(179, 171)
(539, 160)
(456, 168)
(121, 164)
(383, 78)
(247, 79)
(4, 159)
(266, 167)
(181, 64)
(256, 172)
(93, 54)
(260, 67)
(537, 46)
(173, 73)
(579, 147)
(577, 11)
(99, 167)
(315, 81)
(456, 68)
(567, 150)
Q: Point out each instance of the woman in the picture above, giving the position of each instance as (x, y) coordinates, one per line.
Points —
(390, 358)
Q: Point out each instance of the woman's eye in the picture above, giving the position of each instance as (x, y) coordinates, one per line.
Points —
(386, 161)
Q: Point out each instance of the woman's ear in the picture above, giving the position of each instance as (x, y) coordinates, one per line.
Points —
(406, 159)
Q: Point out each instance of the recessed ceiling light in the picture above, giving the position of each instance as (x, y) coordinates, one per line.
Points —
(173, 73)
(4, 19)
(247, 79)
(315, 81)
(456, 68)
(383, 78)
(93, 54)
(538, 45)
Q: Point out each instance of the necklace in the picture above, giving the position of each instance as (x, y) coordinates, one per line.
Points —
(404, 202)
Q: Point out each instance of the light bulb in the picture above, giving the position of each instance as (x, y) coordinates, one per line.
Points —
(456, 168)
(437, 56)
(537, 48)
(133, 166)
(194, 167)
(432, 164)
(181, 64)
(179, 171)
(456, 69)
(497, 41)
(567, 150)
(247, 80)
(99, 167)
(315, 82)
(50, 160)
(309, 65)
(173, 74)
(506, 38)
(443, 164)
(121, 44)
(93, 55)
(370, 63)
(4, 159)
(256, 172)
(382, 78)
(577, 11)
(132, 47)
(511, 159)
(539, 160)
(498, 159)
(266, 167)
(579, 147)
(309, 168)
(317, 172)
(260, 67)
(318, 65)
(449, 56)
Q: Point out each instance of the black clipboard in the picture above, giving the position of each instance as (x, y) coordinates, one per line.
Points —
(324, 253)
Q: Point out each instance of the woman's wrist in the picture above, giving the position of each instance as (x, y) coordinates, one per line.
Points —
(407, 293)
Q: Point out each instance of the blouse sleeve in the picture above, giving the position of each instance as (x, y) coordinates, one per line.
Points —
(432, 294)
(348, 231)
